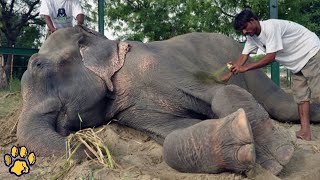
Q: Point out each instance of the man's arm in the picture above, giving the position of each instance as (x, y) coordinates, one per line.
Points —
(49, 23)
(80, 19)
(242, 59)
(265, 60)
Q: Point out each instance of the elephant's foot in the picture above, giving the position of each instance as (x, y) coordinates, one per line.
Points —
(212, 146)
(273, 146)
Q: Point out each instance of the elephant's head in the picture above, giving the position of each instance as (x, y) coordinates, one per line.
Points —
(68, 78)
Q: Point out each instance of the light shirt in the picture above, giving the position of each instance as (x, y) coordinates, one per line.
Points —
(293, 44)
(62, 12)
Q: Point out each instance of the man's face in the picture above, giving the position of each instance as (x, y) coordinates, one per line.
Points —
(250, 28)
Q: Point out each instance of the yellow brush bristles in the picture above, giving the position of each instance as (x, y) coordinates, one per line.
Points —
(229, 65)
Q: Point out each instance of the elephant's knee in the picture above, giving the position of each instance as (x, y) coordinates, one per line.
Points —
(230, 98)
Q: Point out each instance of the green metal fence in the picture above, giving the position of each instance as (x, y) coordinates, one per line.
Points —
(18, 51)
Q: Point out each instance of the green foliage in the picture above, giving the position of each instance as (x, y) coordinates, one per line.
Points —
(30, 37)
(162, 19)
(91, 14)
(1, 24)
(304, 12)
(17, 18)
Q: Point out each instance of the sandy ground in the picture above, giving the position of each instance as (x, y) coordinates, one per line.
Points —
(138, 157)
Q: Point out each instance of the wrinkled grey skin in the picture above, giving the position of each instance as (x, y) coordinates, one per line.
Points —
(156, 88)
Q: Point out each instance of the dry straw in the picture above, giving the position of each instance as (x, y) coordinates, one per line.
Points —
(93, 143)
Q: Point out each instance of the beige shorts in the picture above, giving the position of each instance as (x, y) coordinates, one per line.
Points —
(306, 83)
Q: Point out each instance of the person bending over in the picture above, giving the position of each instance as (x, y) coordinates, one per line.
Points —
(293, 46)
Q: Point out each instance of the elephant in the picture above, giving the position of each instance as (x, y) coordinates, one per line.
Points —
(160, 88)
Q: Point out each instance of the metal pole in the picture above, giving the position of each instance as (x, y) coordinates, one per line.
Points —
(101, 15)
(275, 70)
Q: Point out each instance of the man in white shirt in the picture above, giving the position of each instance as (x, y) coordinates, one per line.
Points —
(293, 46)
(60, 13)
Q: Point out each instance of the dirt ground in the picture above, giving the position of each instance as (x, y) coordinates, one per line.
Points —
(138, 157)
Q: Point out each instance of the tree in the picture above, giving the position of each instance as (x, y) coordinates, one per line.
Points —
(304, 12)
(91, 13)
(161, 19)
(16, 16)
(19, 20)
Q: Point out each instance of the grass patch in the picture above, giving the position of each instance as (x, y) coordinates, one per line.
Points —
(10, 99)
(15, 85)
(9, 104)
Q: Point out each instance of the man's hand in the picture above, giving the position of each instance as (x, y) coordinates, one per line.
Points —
(53, 30)
(265, 60)
(236, 69)
(80, 19)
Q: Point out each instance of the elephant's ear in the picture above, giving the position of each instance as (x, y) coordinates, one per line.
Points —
(102, 56)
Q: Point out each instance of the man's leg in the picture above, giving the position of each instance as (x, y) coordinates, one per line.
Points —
(305, 131)
(301, 94)
(310, 73)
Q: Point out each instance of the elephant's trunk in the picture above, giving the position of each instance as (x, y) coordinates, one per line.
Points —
(36, 129)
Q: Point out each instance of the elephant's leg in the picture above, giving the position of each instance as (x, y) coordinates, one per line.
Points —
(273, 144)
(212, 146)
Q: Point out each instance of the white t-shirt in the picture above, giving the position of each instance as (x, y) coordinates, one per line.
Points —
(293, 44)
(62, 12)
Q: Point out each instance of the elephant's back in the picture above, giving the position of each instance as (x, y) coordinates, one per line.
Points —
(182, 56)
(203, 51)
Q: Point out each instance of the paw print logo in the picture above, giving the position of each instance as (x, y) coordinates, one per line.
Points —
(19, 160)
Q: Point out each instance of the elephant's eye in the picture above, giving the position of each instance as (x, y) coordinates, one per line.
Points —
(37, 63)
